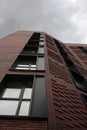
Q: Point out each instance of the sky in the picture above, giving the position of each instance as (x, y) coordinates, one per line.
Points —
(66, 20)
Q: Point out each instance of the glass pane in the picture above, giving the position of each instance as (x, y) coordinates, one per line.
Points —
(41, 63)
(41, 38)
(32, 68)
(21, 68)
(27, 93)
(11, 93)
(41, 50)
(8, 107)
(41, 43)
(22, 65)
(24, 108)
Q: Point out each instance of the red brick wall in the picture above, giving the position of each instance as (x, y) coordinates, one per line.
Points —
(66, 110)
(10, 48)
(8, 124)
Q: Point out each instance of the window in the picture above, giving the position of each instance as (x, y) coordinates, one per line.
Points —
(33, 42)
(30, 49)
(23, 95)
(16, 95)
(79, 80)
(70, 64)
(84, 97)
(35, 36)
(25, 63)
(29, 63)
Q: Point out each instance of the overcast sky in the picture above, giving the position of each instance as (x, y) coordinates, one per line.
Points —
(64, 19)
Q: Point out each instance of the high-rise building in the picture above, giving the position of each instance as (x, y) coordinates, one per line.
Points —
(43, 83)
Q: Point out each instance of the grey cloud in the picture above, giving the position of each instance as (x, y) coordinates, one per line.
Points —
(63, 19)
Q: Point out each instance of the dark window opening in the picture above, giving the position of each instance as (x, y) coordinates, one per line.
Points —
(31, 63)
(70, 64)
(79, 80)
(35, 36)
(68, 61)
(25, 63)
(16, 95)
(33, 42)
(23, 95)
(33, 49)
(30, 49)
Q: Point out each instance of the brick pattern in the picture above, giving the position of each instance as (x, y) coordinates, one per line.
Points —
(10, 47)
(66, 110)
(55, 56)
(79, 60)
(80, 54)
(69, 110)
(6, 124)
(51, 47)
(59, 71)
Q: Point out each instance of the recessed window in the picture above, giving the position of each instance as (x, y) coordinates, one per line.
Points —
(25, 63)
(79, 80)
(23, 95)
(33, 42)
(13, 99)
(41, 38)
(33, 50)
(29, 63)
(30, 49)
(35, 36)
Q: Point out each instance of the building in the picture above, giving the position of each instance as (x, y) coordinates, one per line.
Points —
(43, 83)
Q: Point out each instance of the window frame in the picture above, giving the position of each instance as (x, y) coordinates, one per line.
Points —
(36, 57)
(42, 111)
(20, 99)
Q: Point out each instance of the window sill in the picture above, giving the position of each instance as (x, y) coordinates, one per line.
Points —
(11, 69)
(11, 117)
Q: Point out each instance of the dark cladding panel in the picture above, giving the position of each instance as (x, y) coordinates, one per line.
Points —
(41, 63)
(39, 105)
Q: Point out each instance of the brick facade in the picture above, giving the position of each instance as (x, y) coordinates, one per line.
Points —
(66, 109)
